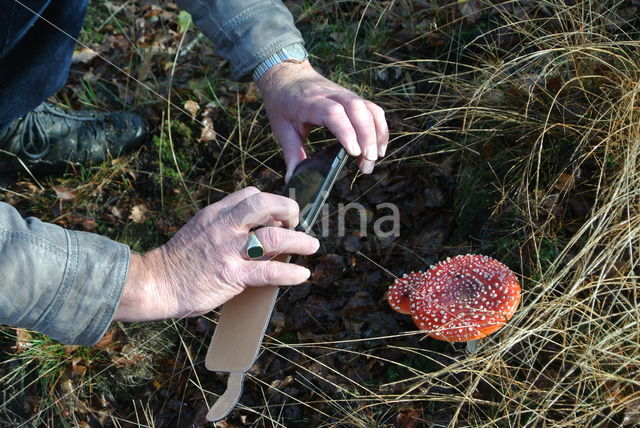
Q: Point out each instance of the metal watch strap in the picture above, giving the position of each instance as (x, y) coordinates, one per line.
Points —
(295, 52)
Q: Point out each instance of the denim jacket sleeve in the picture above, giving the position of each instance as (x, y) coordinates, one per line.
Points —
(65, 284)
(245, 32)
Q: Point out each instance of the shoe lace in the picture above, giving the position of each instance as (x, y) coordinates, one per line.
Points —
(34, 139)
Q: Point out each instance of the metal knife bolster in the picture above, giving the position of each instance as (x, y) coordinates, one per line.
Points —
(243, 320)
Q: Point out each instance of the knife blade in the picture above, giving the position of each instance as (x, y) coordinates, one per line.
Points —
(243, 320)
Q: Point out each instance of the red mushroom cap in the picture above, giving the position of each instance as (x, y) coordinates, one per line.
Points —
(464, 298)
(460, 299)
(402, 289)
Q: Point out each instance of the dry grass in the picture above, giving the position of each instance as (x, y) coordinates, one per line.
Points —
(553, 119)
(564, 103)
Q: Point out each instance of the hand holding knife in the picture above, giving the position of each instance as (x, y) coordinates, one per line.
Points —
(310, 186)
(244, 319)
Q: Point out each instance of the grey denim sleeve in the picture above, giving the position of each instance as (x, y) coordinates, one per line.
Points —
(62, 283)
(245, 32)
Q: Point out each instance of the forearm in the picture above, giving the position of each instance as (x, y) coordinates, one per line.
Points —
(65, 284)
(244, 31)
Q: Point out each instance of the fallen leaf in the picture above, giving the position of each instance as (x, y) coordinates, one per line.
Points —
(471, 9)
(628, 12)
(73, 220)
(84, 56)
(83, 223)
(554, 84)
(117, 212)
(139, 213)
(78, 371)
(154, 11)
(90, 77)
(192, 107)
(130, 356)
(165, 226)
(632, 410)
(70, 349)
(329, 269)
(278, 319)
(27, 187)
(23, 339)
(63, 193)
(433, 198)
(118, 41)
(207, 133)
(359, 305)
(353, 243)
(107, 340)
(66, 386)
(408, 418)
(252, 94)
(565, 182)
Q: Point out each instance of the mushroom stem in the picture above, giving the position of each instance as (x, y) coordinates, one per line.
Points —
(472, 346)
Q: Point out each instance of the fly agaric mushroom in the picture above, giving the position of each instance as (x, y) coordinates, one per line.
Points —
(460, 299)
(401, 289)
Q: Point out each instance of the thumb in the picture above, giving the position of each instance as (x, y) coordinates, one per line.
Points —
(292, 144)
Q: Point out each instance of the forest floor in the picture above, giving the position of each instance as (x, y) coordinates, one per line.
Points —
(515, 132)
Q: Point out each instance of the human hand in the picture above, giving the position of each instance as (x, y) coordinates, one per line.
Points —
(297, 97)
(204, 264)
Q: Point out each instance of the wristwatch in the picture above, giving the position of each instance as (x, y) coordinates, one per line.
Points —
(295, 52)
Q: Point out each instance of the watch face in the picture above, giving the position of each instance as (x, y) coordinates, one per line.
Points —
(296, 51)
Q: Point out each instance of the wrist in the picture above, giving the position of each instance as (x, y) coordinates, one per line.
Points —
(282, 73)
(292, 53)
(141, 299)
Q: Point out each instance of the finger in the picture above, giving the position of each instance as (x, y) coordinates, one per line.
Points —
(260, 208)
(276, 240)
(261, 273)
(292, 144)
(329, 113)
(382, 129)
(232, 199)
(362, 120)
(365, 165)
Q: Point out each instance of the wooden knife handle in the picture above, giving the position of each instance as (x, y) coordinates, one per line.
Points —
(236, 342)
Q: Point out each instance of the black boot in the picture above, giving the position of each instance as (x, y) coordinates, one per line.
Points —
(48, 138)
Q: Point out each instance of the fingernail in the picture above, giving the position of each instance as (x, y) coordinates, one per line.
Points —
(367, 167)
(317, 246)
(308, 273)
(353, 148)
(371, 153)
(288, 175)
(383, 150)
